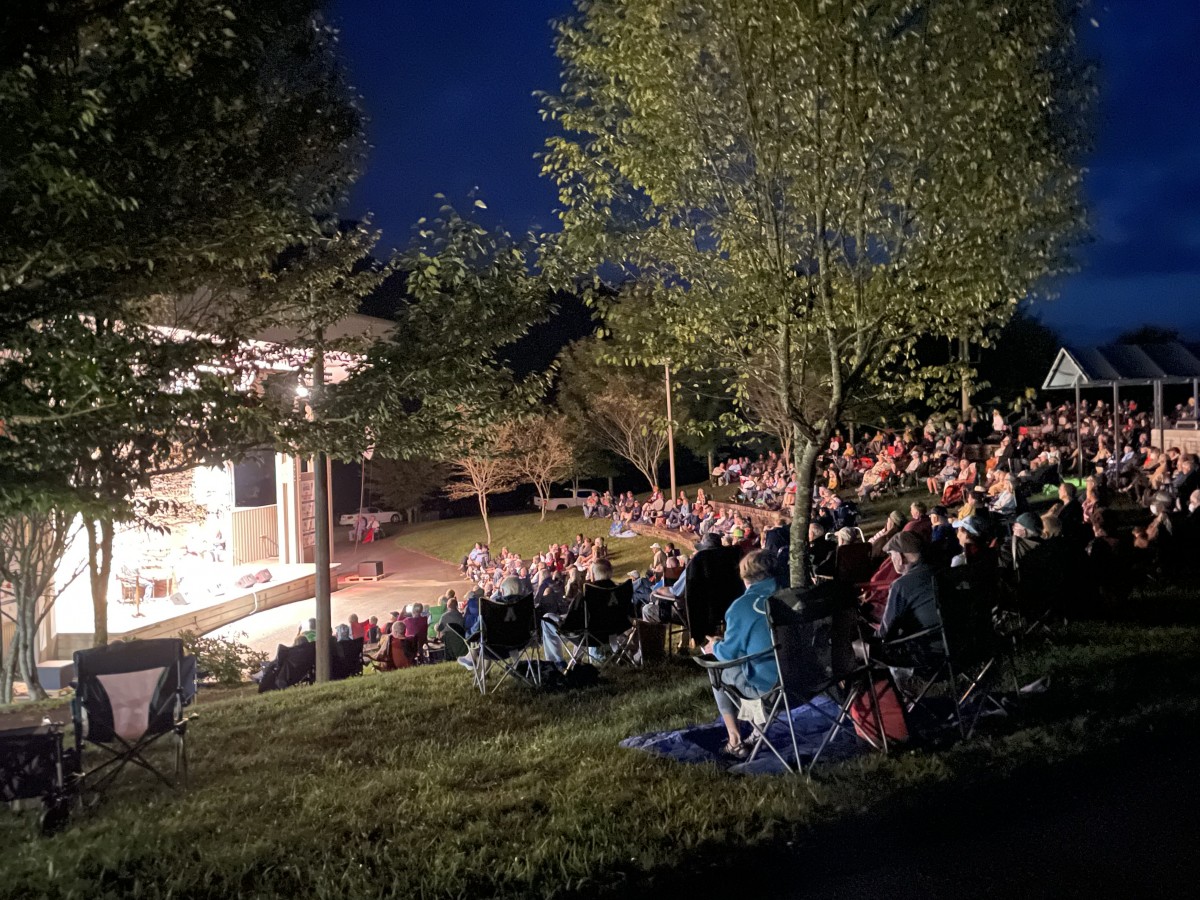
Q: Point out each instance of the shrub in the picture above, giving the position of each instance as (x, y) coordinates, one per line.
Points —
(223, 660)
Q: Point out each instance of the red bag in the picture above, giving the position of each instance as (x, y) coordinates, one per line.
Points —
(891, 712)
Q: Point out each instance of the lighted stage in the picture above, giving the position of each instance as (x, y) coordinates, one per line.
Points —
(202, 610)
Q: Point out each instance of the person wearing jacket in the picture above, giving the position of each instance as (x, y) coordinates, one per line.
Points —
(746, 634)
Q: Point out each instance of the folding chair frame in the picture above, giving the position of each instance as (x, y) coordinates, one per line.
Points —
(97, 779)
(777, 702)
(503, 655)
(587, 639)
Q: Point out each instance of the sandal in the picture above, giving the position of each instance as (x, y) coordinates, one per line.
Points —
(736, 751)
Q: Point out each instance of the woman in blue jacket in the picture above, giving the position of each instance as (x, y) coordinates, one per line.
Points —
(746, 633)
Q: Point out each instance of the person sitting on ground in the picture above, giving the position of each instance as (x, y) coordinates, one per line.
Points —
(747, 633)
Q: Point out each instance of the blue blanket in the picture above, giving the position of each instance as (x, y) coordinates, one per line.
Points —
(702, 743)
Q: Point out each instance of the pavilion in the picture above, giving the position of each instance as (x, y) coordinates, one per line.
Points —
(1132, 365)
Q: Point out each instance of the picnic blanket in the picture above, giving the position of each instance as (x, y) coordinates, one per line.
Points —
(702, 743)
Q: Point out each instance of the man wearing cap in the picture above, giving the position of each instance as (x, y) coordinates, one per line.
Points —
(912, 602)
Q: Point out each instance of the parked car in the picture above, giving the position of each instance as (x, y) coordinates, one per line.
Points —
(382, 515)
(553, 503)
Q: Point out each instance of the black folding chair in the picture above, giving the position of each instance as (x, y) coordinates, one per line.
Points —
(127, 697)
(810, 644)
(345, 659)
(599, 625)
(508, 633)
(292, 665)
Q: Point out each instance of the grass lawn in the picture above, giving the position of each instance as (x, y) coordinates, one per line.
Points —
(523, 533)
(411, 784)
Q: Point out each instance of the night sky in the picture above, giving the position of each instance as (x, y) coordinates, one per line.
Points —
(448, 87)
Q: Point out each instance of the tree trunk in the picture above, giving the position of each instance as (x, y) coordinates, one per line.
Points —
(9, 675)
(487, 528)
(712, 464)
(100, 543)
(27, 630)
(610, 484)
(806, 466)
(544, 496)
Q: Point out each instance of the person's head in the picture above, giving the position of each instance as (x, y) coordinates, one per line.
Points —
(394, 615)
(510, 587)
(895, 520)
(816, 531)
(342, 633)
(601, 570)
(917, 510)
(970, 531)
(754, 568)
(353, 618)
(312, 624)
(905, 551)
(418, 609)
(1051, 526)
(398, 629)
(1066, 492)
(1160, 503)
(452, 604)
(450, 595)
(845, 536)
(1027, 525)
(1194, 501)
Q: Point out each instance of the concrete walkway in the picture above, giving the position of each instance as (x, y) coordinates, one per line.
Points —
(410, 578)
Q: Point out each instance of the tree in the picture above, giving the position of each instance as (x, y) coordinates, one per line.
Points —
(614, 408)
(482, 470)
(541, 452)
(404, 484)
(804, 190)
(156, 158)
(32, 547)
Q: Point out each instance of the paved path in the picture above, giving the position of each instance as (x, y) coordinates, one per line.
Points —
(411, 577)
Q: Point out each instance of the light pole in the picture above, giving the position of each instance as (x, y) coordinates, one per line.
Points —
(670, 432)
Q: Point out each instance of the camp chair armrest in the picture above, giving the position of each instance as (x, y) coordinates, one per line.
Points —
(711, 662)
(924, 632)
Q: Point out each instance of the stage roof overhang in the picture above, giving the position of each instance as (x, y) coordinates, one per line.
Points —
(1124, 364)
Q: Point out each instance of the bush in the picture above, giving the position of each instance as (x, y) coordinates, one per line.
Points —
(223, 660)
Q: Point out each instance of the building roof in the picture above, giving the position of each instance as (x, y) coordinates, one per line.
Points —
(1121, 364)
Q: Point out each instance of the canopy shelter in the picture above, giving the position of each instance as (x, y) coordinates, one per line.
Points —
(1118, 365)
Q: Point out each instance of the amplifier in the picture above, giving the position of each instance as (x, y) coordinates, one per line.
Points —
(370, 568)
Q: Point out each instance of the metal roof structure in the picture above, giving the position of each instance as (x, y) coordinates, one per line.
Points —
(1124, 364)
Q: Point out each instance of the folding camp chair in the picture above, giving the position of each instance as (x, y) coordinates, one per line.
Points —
(951, 666)
(508, 633)
(599, 624)
(292, 665)
(811, 647)
(127, 697)
(712, 584)
(345, 659)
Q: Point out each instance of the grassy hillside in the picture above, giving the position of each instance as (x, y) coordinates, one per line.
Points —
(523, 533)
(411, 784)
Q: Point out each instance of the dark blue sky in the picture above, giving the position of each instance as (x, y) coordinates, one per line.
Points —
(448, 88)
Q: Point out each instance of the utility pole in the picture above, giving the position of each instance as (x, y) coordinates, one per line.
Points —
(670, 433)
(321, 547)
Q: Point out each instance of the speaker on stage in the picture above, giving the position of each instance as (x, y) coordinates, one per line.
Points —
(370, 568)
